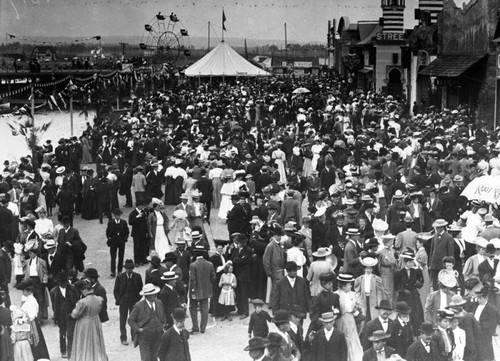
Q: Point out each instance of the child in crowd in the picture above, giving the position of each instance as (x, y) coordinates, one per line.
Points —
(258, 320)
(227, 296)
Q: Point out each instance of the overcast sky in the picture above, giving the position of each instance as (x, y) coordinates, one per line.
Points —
(253, 19)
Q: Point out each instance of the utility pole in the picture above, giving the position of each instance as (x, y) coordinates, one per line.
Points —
(208, 36)
(123, 47)
(286, 45)
(33, 101)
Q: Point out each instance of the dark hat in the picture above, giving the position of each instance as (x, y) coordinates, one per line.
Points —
(327, 277)
(257, 302)
(274, 339)
(281, 316)
(291, 266)
(117, 211)
(256, 343)
(235, 197)
(29, 222)
(471, 283)
(445, 313)
(9, 245)
(170, 256)
(384, 305)
(155, 261)
(179, 314)
(221, 242)
(427, 328)
(490, 248)
(297, 311)
(129, 264)
(61, 277)
(26, 285)
(402, 307)
(371, 242)
(91, 272)
(199, 249)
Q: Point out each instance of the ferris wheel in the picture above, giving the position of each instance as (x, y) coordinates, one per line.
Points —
(165, 38)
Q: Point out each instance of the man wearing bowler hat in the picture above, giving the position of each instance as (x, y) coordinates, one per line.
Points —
(147, 321)
(117, 233)
(381, 323)
(424, 349)
(328, 344)
(379, 349)
(257, 348)
(402, 332)
(126, 291)
(174, 345)
(288, 348)
(290, 290)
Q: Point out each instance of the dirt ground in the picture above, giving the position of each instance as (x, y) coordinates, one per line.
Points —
(222, 341)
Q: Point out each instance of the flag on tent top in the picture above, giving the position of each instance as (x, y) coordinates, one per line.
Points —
(223, 20)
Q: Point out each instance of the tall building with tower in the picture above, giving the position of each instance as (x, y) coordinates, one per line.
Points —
(432, 7)
(393, 13)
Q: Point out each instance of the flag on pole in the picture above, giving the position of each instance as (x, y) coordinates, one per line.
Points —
(223, 21)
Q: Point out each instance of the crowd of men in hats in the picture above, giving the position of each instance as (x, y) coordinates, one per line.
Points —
(340, 207)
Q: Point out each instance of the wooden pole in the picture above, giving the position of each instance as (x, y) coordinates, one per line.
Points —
(71, 112)
(33, 102)
(209, 36)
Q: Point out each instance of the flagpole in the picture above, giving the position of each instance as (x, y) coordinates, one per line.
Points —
(223, 24)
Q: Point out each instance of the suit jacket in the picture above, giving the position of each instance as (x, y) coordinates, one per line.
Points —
(170, 300)
(6, 227)
(242, 260)
(142, 316)
(61, 305)
(201, 278)
(284, 295)
(238, 219)
(389, 169)
(72, 236)
(319, 235)
(298, 337)
(291, 210)
(334, 349)
(101, 292)
(487, 320)
(174, 346)
(372, 326)
(441, 246)
(139, 224)
(351, 259)
(274, 260)
(206, 188)
(58, 263)
(401, 337)
(432, 305)
(486, 272)
(41, 269)
(122, 294)
(450, 206)
(183, 261)
(438, 338)
(371, 355)
(417, 352)
(117, 233)
(376, 293)
(327, 177)
(5, 269)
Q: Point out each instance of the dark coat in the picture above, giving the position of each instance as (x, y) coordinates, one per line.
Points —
(407, 289)
(155, 277)
(370, 328)
(5, 269)
(170, 300)
(437, 337)
(417, 352)
(76, 250)
(371, 355)
(142, 316)
(284, 295)
(183, 261)
(206, 188)
(238, 219)
(174, 346)
(327, 177)
(486, 272)
(58, 263)
(65, 199)
(139, 224)
(401, 337)
(63, 306)
(6, 226)
(124, 295)
(100, 291)
(201, 278)
(441, 246)
(319, 236)
(242, 259)
(333, 350)
(117, 233)
(488, 323)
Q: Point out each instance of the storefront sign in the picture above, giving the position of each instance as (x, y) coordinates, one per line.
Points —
(303, 64)
(390, 37)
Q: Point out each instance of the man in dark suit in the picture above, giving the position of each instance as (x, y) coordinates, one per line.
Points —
(290, 290)
(153, 182)
(55, 262)
(126, 184)
(92, 276)
(147, 321)
(381, 323)
(488, 267)
(117, 233)
(6, 270)
(174, 344)
(6, 219)
(379, 339)
(138, 220)
(442, 245)
(449, 204)
(126, 291)
(424, 349)
(291, 209)
(239, 216)
(183, 259)
(201, 278)
(402, 332)
(241, 256)
(169, 295)
(104, 195)
(487, 315)
(327, 175)
(263, 179)
(204, 185)
(319, 231)
(331, 348)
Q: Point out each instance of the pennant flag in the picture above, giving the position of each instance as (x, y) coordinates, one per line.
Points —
(223, 20)
(11, 36)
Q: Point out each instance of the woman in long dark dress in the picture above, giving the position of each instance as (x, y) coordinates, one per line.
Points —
(89, 200)
(218, 262)
(169, 185)
(258, 241)
(30, 306)
(177, 186)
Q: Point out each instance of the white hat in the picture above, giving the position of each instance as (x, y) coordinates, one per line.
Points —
(380, 225)
(149, 289)
(60, 170)
(369, 261)
(447, 279)
(180, 213)
(320, 212)
(157, 201)
(49, 244)
(481, 242)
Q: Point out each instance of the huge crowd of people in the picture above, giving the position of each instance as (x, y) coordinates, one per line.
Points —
(341, 209)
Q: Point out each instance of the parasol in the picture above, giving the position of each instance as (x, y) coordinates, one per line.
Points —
(486, 188)
(301, 91)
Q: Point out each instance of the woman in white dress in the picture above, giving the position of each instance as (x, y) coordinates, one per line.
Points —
(316, 149)
(346, 323)
(296, 255)
(280, 158)
(158, 228)
(215, 176)
(179, 228)
(43, 225)
(227, 190)
(421, 260)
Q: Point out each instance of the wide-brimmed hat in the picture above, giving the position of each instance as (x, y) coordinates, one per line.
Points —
(169, 276)
(322, 252)
(91, 272)
(281, 316)
(329, 316)
(457, 300)
(371, 242)
(384, 305)
(149, 289)
(424, 236)
(41, 209)
(320, 212)
(196, 234)
(157, 201)
(256, 343)
(379, 225)
(447, 279)
(402, 307)
(50, 244)
(439, 223)
(195, 194)
(60, 170)
(445, 313)
(387, 238)
(291, 266)
(398, 194)
(369, 261)
(378, 335)
(180, 213)
(344, 277)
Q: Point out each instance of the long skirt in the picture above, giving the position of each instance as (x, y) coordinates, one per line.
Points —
(387, 276)
(225, 206)
(162, 244)
(347, 325)
(40, 351)
(307, 167)
(89, 206)
(426, 288)
(88, 341)
(177, 185)
(169, 191)
(216, 196)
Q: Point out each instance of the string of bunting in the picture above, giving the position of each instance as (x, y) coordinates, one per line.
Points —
(33, 40)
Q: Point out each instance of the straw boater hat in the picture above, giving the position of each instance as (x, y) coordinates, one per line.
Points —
(439, 223)
(329, 316)
(60, 170)
(378, 335)
(380, 225)
(447, 279)
(322, 252)
(407, 255)
(369, 261)
(169, 276)
(457, 300)
(149, 289)
(50, 244)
